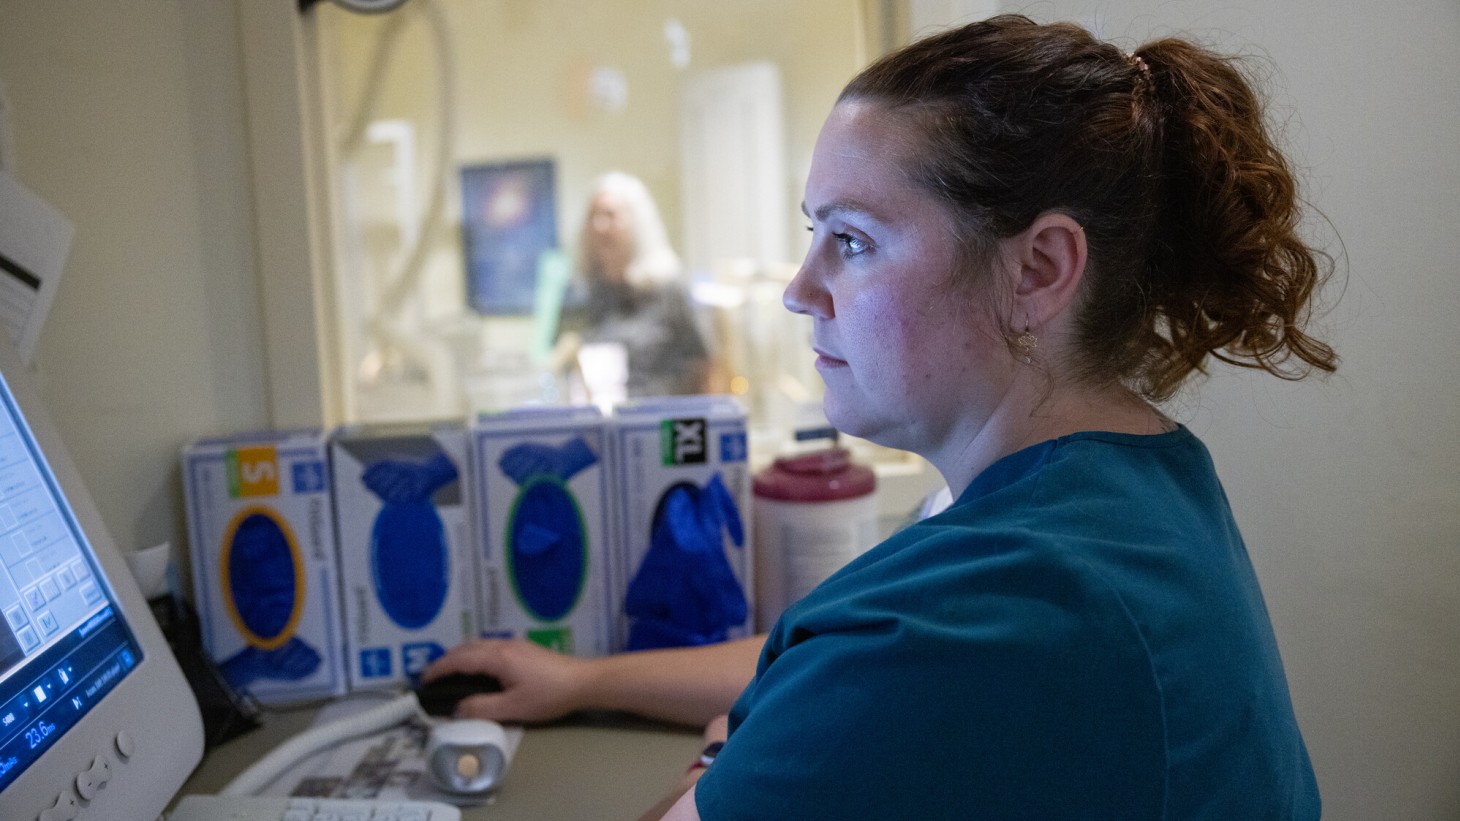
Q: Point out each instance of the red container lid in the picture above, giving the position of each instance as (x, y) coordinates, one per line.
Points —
(821, 476)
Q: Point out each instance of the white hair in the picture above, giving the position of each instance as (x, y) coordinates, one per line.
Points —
(654, 261)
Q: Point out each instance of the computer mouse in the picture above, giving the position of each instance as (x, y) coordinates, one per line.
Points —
(439, 696)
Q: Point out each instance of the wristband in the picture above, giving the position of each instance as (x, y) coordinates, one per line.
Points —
(707, 756)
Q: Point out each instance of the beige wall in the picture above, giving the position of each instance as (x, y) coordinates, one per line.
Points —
(129, 118)
(1348, 492)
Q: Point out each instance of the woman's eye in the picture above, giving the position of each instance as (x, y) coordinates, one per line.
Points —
(851, 245)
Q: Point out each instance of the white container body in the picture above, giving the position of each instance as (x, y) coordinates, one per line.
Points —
(799, 544)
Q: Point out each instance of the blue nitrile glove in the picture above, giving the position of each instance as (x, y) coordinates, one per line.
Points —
(709, 599)
(529, 459)
(685, 592)
(402, 481)
(265, 591)
(291, 661)
(717, 503)
(547, 549)
(409, 562)
(260, 580)
(653, 584)
(546, 543)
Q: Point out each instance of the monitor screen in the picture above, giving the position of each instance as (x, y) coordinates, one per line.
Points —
(62, 645)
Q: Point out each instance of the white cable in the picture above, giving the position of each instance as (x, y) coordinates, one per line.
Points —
(407, 278)
(309, 742)
(410, 275)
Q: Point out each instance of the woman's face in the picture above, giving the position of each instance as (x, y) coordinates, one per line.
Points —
(610, 234)
(909, 360)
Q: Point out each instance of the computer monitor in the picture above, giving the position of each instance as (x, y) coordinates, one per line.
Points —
(94, 711)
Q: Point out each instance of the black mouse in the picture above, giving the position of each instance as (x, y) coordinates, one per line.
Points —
(438, 696)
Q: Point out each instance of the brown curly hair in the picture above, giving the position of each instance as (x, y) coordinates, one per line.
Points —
(1190, 210)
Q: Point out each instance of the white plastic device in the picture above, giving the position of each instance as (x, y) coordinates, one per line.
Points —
(96, 718)
(467, 756)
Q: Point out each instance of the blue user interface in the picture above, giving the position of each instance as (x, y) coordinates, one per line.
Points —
(62, 644)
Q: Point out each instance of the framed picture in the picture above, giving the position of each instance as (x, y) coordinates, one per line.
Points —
(509, 218)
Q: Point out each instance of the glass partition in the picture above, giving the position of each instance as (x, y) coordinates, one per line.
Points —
(467, 135)
(466, 138)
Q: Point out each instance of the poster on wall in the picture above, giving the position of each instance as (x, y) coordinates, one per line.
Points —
(509, 218)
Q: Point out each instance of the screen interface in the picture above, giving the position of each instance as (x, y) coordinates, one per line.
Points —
(63, 643)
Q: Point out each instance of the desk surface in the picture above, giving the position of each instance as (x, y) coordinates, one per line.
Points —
(600, 768)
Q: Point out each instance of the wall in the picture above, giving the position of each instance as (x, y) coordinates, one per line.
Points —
(1349, 491)
(129, 118)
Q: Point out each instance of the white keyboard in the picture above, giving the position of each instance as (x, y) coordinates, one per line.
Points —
(278, 808)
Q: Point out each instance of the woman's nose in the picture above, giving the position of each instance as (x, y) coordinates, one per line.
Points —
(805, 295)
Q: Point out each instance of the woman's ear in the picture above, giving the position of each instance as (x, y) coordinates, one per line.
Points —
(1051, 255)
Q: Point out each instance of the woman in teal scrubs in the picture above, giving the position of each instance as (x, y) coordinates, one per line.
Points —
(1021, 240)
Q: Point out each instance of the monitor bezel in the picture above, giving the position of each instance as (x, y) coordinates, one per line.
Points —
(153, 704)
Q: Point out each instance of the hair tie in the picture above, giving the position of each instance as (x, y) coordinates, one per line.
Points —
(1140, 63)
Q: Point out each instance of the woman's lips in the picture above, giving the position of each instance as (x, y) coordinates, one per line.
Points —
(826, 360)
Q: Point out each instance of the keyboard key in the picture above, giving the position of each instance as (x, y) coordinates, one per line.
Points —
(269, 808)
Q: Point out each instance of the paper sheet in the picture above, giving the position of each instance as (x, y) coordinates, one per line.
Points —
(34, 241)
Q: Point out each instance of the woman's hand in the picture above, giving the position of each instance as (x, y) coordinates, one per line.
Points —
(682, 685)
(538, 684)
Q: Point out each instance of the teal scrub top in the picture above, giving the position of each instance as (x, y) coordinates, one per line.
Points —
(1081, 635)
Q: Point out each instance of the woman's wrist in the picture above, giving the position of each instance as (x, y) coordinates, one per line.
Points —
(707, 756)
(584, 690)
